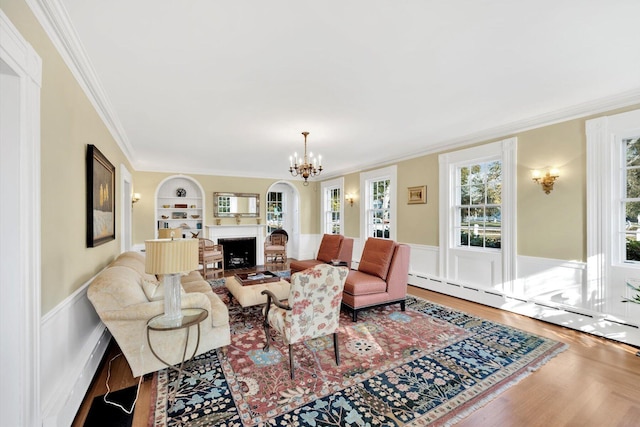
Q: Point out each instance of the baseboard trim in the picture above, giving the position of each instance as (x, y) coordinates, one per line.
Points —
(598, 324)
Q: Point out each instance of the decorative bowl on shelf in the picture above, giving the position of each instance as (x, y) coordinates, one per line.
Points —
(195, 216)
(165, 216)
(166, 206)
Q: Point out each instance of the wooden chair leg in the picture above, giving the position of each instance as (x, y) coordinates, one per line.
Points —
(265, 324)
(336, 347)
(291, 361)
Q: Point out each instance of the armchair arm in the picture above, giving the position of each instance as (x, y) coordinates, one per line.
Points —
(271, 298)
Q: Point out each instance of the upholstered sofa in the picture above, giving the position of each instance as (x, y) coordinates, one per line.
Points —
(125, 298)
(332, 246)
(381, 277)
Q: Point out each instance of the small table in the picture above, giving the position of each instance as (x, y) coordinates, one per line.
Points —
(190, 317)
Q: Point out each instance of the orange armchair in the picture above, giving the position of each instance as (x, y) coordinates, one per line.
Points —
(381, 277)
(332, 246)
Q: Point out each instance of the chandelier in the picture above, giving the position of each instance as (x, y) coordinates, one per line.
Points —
(306, 166)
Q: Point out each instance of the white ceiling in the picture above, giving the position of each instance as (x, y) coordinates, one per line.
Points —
(226, 87)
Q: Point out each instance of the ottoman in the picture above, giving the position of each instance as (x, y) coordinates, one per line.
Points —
(250, 295)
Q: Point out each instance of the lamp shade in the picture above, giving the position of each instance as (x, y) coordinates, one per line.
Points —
(166, 256)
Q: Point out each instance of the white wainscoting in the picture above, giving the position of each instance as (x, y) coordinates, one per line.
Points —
(73, 342)
(548, 289)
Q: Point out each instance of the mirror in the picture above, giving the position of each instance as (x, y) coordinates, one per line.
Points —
(228, 205)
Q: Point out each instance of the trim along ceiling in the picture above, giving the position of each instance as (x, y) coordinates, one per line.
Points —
(226, 87)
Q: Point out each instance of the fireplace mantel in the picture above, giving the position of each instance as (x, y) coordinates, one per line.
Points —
(214, 232)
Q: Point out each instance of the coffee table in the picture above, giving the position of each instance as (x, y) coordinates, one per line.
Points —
(250, 295)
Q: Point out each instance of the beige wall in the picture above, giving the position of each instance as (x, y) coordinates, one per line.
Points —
(146, 183)
(549, 225)
(68, 124)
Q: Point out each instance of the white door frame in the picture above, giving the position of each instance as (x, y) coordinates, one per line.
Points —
(126, 211)
(21, 77)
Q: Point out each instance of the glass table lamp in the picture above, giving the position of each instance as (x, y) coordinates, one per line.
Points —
(171, 257)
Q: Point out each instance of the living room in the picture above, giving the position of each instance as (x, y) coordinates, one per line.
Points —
(551, 276)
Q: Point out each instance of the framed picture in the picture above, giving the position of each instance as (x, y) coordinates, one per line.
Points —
(417, 195)
(101, 205)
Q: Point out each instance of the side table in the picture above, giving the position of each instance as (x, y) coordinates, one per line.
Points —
(190, 317)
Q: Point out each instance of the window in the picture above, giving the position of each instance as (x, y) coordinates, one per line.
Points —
(629, 231)
(274, 210)
(380, 208)
(477, 209)
(478, 216)
(379, 203)
(331, 214)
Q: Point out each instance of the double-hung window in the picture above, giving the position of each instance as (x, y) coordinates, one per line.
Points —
(628, 235)
(477, 209)
(379, 190)
(331, 213)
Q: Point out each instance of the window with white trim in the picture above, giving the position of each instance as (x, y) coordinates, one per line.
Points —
(379, 203)
(332, 206)
(628, 236)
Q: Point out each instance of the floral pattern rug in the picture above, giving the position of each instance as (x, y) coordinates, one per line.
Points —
(427, 365)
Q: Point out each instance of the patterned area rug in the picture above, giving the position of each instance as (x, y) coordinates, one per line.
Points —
(428, 365)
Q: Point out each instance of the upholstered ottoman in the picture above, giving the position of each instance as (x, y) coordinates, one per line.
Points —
(250, 295)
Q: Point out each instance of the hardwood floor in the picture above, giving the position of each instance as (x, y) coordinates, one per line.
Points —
(595, 382)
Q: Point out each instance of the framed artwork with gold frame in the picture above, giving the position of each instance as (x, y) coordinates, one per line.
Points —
(417, 195)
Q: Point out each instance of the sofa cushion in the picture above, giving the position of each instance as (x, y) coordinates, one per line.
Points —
(376, 257)
(359, 283)
(115, 288)
(329, 247)
(134, 261)
(154, 290)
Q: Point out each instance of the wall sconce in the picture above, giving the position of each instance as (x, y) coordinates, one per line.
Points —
(349, 198)
(546, 180)
(135, 198)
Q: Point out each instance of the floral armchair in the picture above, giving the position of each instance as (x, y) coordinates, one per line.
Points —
(313, 308)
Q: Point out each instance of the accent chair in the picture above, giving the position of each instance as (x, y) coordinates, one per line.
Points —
(332, 246)
(275, 247)
(381, 277)
(312, 310)
(210, 257)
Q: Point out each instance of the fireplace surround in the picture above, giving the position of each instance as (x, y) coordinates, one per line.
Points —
(229, 233)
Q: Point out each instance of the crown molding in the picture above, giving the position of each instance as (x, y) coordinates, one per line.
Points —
(56, 23)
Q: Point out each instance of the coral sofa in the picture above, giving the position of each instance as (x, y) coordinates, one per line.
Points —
(125, 298)
(332, 246)
(381, 277)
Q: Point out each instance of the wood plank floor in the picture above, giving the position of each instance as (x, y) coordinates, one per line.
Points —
(596, 382)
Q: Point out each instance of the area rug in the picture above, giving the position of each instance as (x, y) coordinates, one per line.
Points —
(428, 365)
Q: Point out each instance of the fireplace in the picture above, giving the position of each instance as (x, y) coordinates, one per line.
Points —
(239, 252)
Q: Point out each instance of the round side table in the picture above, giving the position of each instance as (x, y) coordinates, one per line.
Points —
(190, 317)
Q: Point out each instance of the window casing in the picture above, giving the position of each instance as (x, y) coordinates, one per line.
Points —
(331, 214)
(627, 238)
(378, 207)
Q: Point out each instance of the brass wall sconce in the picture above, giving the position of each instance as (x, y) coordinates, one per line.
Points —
(349, 198)
(545, 179)
(134, 198)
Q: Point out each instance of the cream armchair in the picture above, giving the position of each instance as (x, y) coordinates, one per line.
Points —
(125, 298)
